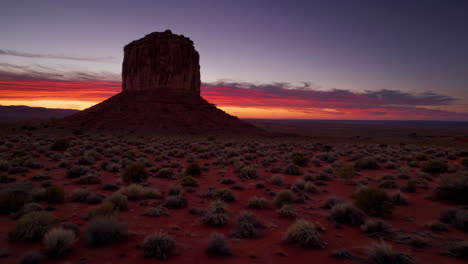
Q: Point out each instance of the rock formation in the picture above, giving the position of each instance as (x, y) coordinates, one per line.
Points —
(160, 91)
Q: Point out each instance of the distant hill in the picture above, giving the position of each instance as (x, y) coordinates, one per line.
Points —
(21, 112)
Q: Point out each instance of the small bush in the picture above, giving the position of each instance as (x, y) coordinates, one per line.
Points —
(304, 234)
(80, 195)
(60, 144)
(374, 202)
(456, 217)
(249, 172)
(293, 169)
(347, 172)
(157, 211)
(247, 226)
(218, 245)
(376, 228)
(257, 203)
(332, 201)
(54, 194)
(176, 201)
(106, 209)
(159, 246)
(437, 226)
(136, 173)
(277, 179)
(104, 231)
(119, 201)
(452, 189)
(216, 214)
(77, 171)
(136, 192)
(383, 254)
(366, 163)
(434, 167)
(89, 179)
(284, 197)
(287, 211)
(311, 188)
(31, 227)
(345, 213)
(300, 159)
(189, 181)
(225, 195)
(13, 196)
(193, 169)
(464, 162)
(59, 241)
(399, 199)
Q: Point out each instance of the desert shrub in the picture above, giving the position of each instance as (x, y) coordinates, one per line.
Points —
(119, 201)
(391, 165)
(225, 195)
(376, 228)
(341, 254)
(136, 172)
(345, 213)
(189, 181)
(464, 162)
(31, 226)
(60, 144)
(327, 156)
(58, 241)
(384, 254)
(277, 179)
(77, 171)
(14, 195)
(311, 188)
(216, 214)
(54, 194)
(366, 163)
(32, 257)
(287, 211)
(411, 186)
(80, 195)
(157, 211)
(399, 199)
(300, 159)
(159, 246)
(136, 192)
(193, 169)
(417, 242)
(374, 202)
(27, 208)
(218, 245)
(104, 231)
(304, 234)
(175, 201)
(452, 189)
(332, 201)
(347, 172)
(42, 176)
(257, 203)
(228, 181)
(459, 249)
(437, 226)
(109, 187)
(284, 197)
(434, 166)
(249, 172)
(165, 173)
(247, 226)
(293, 169)
(323, 176)
(456, 217)
(89, 179)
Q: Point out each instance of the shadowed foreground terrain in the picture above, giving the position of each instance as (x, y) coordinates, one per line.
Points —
(345, 193)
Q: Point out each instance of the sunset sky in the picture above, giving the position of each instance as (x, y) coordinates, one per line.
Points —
(329, 59)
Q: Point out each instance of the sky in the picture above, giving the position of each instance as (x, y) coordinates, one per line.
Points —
(330, 59)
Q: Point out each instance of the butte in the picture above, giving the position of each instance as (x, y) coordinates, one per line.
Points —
(160, 91)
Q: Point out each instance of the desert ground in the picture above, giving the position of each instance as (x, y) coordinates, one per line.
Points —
(314, 192)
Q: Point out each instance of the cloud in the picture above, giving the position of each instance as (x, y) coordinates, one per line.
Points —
(54, 56)
(308, 100)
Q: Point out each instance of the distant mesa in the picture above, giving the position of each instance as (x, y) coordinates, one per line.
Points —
(160, 91)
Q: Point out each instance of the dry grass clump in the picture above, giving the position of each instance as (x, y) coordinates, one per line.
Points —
(384, 254)
(284, 197)
(165, 173)
(299, 159)
(374, 202)
(32, 257)
(345, 213)
(277, 179)
(60, 144)
(31, 227)
(216, 215)
(193, 169)
(293, 169)
(136, 192)
(434, 166)
(14, 195)
(225, 195)
(304, 234)
(456, 217)
(399, 198)
(218, 245)
(158, 246)
(287, 211)
(104, 231)
(366, 163)
(54, 194)
(136, 173)
(58, 241)
(156, 211)
(332, 201)
(376, 228)
(347, 172)
(453, 189)
(257, 203)
(247, 226)
(249, 172)
(459, 250)
(189, 181)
